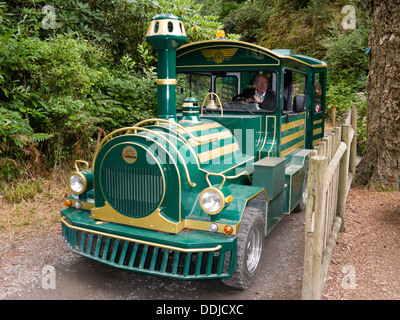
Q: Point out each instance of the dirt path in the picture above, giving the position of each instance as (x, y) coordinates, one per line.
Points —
(365, 263)
(79, 278)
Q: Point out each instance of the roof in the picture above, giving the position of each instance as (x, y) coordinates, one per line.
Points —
(233, 54)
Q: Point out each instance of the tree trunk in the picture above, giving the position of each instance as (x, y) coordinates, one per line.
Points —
(380, 166)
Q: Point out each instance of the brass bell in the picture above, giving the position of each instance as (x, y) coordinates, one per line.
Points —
(212, 105)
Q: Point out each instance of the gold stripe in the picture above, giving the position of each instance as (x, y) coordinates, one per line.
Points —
(201, 127)
(210, 138)
(294, 147)
(316, 142)
(190, 111)
(293, 124)
(188, 104)
(292, 136)
(317, 131)
(317, 121)
(218, 152)
(140, 241)
(166, 81)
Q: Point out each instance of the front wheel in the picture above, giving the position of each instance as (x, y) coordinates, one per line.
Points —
(304, 195)
(250, 245)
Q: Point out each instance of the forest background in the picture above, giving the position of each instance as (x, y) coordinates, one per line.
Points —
(71, 71)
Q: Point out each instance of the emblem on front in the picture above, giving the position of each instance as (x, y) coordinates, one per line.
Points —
(129, 154)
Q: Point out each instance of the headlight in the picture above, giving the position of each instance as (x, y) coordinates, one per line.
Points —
(212, 200)
(77, 183)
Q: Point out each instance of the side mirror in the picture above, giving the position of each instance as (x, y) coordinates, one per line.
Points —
(299, 103)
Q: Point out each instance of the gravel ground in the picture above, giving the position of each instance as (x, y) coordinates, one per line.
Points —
(365, 263)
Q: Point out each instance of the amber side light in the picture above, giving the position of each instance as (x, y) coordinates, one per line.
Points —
(228, 229)
(68, 202)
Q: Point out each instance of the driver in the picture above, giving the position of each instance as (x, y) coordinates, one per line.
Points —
(261, 94)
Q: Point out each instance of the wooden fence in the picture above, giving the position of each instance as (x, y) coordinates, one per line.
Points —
(331, 170)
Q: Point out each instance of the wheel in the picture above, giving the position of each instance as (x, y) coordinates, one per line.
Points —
(303, 201)
(250, 245)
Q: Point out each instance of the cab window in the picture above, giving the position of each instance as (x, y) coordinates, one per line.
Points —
(294, 93)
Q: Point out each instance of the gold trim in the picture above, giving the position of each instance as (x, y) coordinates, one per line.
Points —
(135, 129)
(218, 175)
(201, 127)
(81, 161)
(85, 205)
(291, 125)
(141, 241)
(211, 138)
(292, 136)
(317, 131)
(154, 221)
(290, 149)
(166, 82)
(266, 136)
(233, 43)
(218, 152)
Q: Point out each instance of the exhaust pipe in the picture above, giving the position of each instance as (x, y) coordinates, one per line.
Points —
(166, 33)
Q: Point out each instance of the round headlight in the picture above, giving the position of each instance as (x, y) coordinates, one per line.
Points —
(212, 201)
(76, 183)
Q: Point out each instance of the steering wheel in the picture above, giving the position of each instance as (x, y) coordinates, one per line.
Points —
(241, 97)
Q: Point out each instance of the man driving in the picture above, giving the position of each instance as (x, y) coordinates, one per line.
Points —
(261, 95)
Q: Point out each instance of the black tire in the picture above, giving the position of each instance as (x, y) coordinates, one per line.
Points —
(250, 245)
(304, 196)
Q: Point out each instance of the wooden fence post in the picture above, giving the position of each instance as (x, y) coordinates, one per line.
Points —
(353, 152)
(343, 175)
(315, 221)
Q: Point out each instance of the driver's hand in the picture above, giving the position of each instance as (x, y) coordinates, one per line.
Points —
(254, 99)
(257, 99)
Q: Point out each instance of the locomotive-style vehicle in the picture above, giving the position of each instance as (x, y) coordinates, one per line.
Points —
(192, 193)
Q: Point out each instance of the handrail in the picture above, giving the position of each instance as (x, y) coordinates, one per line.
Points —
(135, 129)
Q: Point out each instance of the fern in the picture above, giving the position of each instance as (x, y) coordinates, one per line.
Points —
(40, 137)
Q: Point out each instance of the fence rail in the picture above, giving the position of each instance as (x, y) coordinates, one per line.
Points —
(331, 170)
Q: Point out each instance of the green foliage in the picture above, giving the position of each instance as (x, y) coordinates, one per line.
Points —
(344, 97)
(65, 83)
(21, 190)
(346, 56)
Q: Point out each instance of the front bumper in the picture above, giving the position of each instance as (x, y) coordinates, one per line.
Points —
(187, 255)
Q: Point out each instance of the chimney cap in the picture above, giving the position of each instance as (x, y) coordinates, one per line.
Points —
(166, 26)
(162, 16)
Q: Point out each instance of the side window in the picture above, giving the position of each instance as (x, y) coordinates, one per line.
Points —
(226, 87)
(294, 92)
(318, 92)
(192, 85)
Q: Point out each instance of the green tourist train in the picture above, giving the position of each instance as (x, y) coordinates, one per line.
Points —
(193, 193)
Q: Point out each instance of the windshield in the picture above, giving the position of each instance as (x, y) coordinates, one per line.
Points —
(231, 87)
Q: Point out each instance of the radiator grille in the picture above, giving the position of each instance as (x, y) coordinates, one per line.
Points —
(150, 259)
(132, 191)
